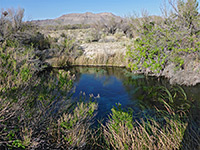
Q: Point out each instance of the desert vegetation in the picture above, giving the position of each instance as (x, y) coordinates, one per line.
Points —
(22, 88)
(172, 39)
(37, 110)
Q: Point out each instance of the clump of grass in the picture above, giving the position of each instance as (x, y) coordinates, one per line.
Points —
(169, 128)
(72, 129)
(145, 133)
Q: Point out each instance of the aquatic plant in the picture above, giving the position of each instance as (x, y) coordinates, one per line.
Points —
(166, 131)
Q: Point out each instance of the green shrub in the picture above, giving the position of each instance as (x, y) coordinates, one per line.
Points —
(166, 40)
(11, 73)
(73, 128)
(119, 116)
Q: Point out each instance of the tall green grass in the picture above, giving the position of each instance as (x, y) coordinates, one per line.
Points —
(169, 128)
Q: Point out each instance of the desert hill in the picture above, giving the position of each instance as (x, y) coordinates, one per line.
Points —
(79, 18)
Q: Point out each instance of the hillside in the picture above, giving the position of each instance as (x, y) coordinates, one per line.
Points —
(79, 18)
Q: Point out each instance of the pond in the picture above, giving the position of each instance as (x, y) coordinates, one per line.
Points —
(47, 105)
(112, 86)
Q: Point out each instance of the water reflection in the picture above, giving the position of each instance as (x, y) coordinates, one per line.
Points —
(117, 85)
(106, 83)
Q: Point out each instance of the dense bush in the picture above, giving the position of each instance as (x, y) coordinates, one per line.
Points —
(26, 100)
(30, 118)
(168, 39)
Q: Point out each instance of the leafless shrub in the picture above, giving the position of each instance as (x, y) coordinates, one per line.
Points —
(111, 26)
(139, 24)
(11, 21)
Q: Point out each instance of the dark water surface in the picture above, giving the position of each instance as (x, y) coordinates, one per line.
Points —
(117, 85)
(109, 87)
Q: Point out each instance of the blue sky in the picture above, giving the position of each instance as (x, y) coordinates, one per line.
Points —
(47, 9)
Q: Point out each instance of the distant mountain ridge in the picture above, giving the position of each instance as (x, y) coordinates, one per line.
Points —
(79, 18)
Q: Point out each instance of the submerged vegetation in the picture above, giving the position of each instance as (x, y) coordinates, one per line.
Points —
(37, 110)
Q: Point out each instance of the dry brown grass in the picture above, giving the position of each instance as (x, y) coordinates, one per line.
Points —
(101, 60)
